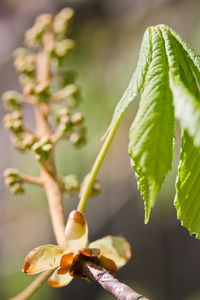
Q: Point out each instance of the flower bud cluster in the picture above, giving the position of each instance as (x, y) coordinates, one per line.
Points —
(13, 122)
(70, 183)
(42, 148)
(49, 86)
(33, 36)
(13, 181)
(24, 61)
(12, 100)
(61, 21)
(71, 126)
(22, 139)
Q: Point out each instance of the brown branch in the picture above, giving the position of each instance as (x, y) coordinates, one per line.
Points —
(109, 283)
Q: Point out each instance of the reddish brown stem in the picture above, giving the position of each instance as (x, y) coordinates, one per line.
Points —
(48, 171)
(54, 196)
(31, 179)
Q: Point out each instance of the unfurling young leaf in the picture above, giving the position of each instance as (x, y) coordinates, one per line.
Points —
(168, 78)
(152, 132)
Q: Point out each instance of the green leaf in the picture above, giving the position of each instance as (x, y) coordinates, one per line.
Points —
(168, 75)
(187, 200)
(137, 81)
(184, 83)
(152, 132)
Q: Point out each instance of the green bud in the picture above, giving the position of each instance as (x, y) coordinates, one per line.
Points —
(29, 89)
(17, 189)
(13, 180)
(96, 190)
(77, 118)
(14, 122)
(28, 141)
(61, 21)
(42, 91)
(33, 36)
(25, 79)
(63, 47)
(11, 172)
(70, 183)
(65, 120)
(65, 111)
(17, 141)
(42, 148)
(65, 93)
(24, 60)
(44, 20)
(12, 99)
(77, 138)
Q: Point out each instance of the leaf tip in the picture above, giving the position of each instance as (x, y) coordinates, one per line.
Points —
(26, 267)
(147, 214)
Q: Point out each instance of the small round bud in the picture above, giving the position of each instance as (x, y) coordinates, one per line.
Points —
(29, 89)
(63, 47)
(28, 141)
(42, 91)
(76, 138)
(14, 122)
(17, 189)
(33, 35)
(44, 20)
(65, 93)
(70, 183)
(11, 172)
(13, 180)
(96, 189)
(65, 120)
(24, 60)
(77, 118)
(42, 148)
(61, 20)
(65, 111)
(12, 99)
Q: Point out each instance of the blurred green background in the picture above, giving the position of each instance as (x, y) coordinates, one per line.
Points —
(166, 260)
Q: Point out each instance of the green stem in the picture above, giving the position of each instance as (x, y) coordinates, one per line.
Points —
(30, 290)
(91, 178)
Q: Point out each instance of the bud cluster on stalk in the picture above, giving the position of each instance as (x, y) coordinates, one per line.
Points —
(46, 46)
(14, 181)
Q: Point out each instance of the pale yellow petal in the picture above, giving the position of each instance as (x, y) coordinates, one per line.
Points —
(76, 231)
(59, 280)
(114, 247)
(43, 258)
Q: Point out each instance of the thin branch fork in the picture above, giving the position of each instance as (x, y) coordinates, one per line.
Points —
(108, 282)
